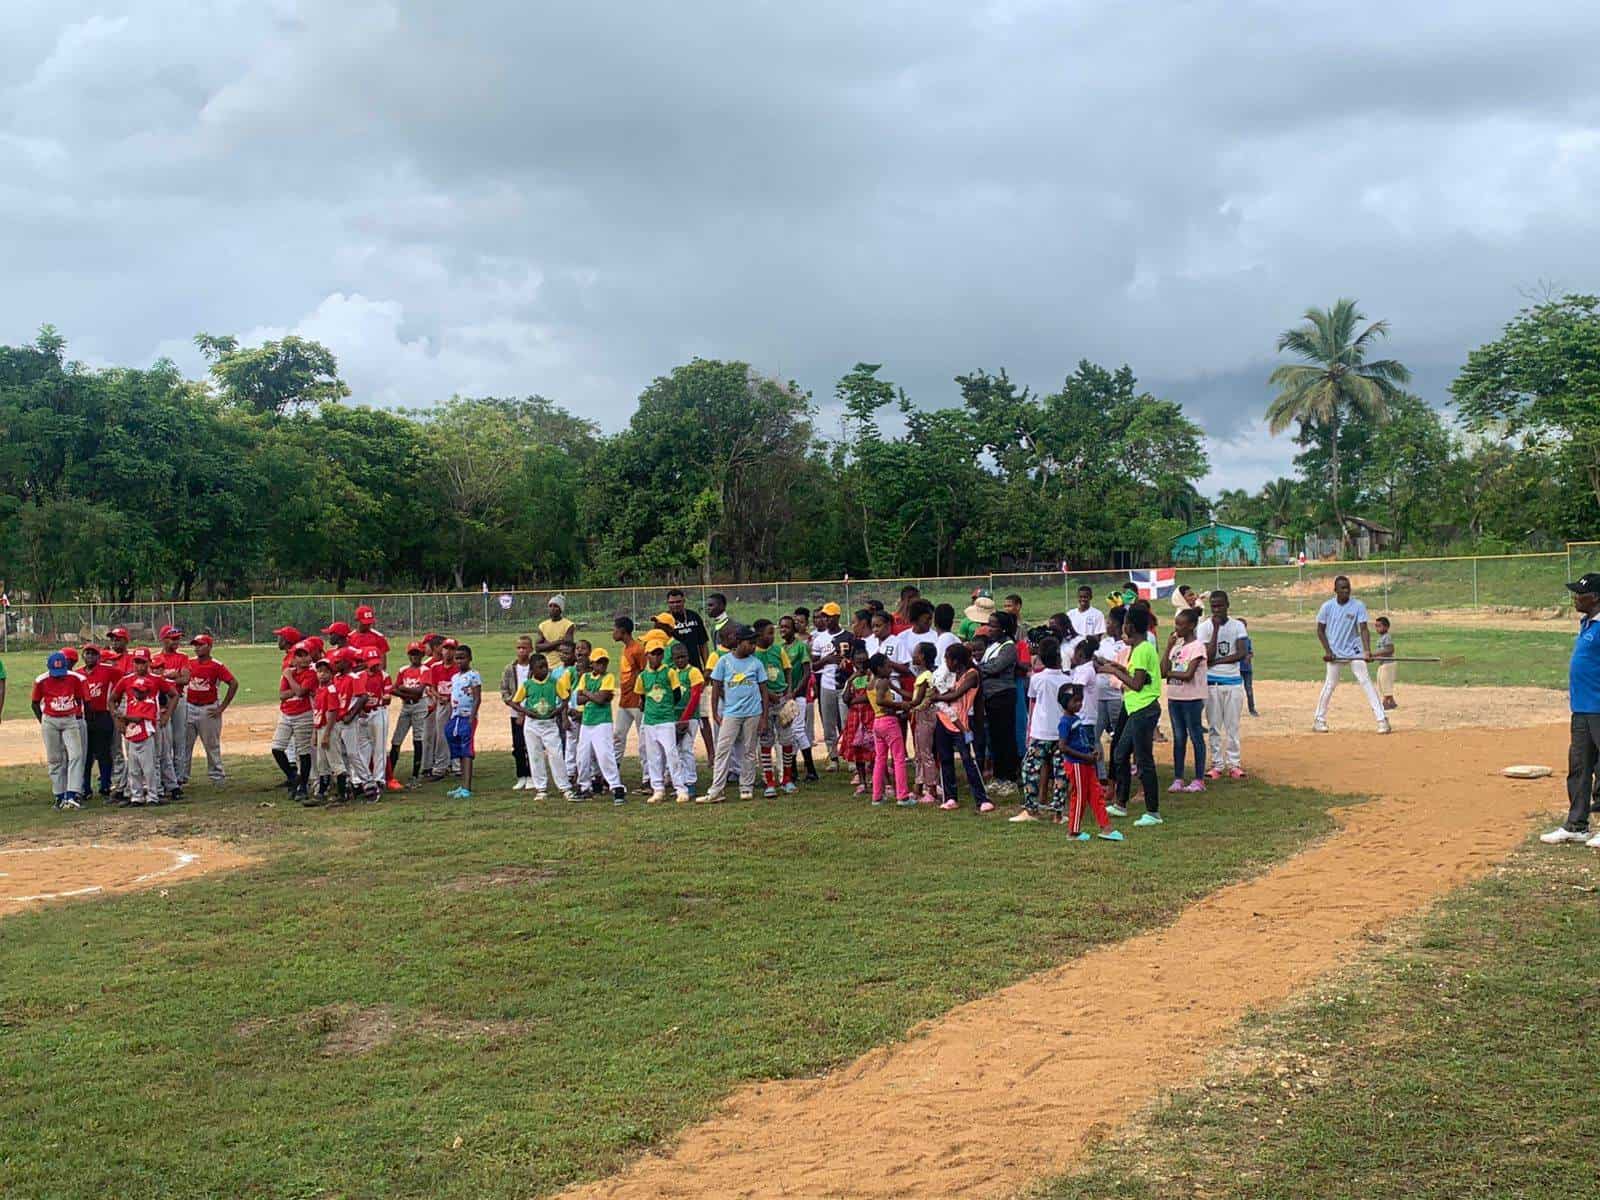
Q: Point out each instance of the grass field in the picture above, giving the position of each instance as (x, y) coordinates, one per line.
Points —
(553, 985)
(1458, 1064)
(1534, 658)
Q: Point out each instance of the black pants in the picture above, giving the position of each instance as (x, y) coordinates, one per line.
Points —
(519, 750)
(1136, 741)
(1000, 715)
(1249, 690)
(1582, 756)
(946, 746)
(102, 730)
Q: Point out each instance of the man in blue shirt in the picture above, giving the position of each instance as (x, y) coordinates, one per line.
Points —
(739, 704)
(1583, 694)
(1342, 630)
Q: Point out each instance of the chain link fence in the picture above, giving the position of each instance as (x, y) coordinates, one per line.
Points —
(1516, 581)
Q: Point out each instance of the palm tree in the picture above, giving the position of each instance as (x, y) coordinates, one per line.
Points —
(1334, 378)
(1278, 497)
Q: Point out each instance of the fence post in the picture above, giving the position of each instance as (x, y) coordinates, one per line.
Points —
(1385, 585)
(1568, 575)
(1475, 582)
(252, 620)
(411, 614)
(486, 614)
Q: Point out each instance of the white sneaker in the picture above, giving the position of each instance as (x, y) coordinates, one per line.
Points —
(1383, 727)
(1594, 842)
(656, 797)
(1562, 835)
(541, 794)
(1116, 810)
(1319, 727)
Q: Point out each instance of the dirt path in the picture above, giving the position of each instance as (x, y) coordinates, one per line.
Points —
(1002, 1091)
(33, 873)
(1285, 708)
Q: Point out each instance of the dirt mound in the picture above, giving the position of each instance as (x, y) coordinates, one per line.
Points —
(33, 873)
(347, 1030)
(1008, 1089)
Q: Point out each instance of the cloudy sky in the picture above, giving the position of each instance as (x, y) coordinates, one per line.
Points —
(507, 197)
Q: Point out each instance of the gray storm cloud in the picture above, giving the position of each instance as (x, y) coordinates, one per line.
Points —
(570, 199)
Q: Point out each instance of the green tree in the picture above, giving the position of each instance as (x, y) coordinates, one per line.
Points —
(1539, 382)
(275, 377)
(1335, 379)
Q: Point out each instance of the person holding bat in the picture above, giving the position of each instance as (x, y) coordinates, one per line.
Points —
(1342, 630)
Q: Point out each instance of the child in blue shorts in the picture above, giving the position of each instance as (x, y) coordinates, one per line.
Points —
(466, 694)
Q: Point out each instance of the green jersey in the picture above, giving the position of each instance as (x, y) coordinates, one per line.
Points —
(799, 652)
(776, 660)
(542, 699)
(597, 714)
(660, 700)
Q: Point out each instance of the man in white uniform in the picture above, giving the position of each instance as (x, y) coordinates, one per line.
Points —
(1342, 630)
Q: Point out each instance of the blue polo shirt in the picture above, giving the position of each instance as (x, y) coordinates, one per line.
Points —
(1583, 675)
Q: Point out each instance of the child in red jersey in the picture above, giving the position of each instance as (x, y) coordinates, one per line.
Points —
(141, 703)
(204, 704)
(58, 700)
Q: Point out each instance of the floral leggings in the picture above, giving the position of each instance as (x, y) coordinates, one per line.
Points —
(1043, 758)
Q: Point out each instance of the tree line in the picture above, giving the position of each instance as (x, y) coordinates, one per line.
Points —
(122, 483)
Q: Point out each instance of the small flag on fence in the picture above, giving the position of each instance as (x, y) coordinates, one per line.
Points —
(1155, 584)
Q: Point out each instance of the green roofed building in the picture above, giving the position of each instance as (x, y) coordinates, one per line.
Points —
(1228, 546)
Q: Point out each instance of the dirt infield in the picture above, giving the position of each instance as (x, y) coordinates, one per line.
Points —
(33, 874)
(1002, 1091)
(1285, 708)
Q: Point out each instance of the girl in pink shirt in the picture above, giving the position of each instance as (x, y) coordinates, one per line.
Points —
(1184, 669)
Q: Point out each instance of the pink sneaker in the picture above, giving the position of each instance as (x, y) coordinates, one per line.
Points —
(1237, 773)
(949, 806)
(860, 790)
(1198, 785)
(986, 806)
(1178, 785)
(927, 798)
(1214, 773)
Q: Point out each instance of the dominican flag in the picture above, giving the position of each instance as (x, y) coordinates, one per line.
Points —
(1155, 584)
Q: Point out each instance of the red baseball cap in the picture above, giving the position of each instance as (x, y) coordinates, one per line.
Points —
(92, 646)
(169, 631)
(314, 644)
(337, 629)
(365, 613)
(416, 648)
(450, 643)
(432, 637)
(300, 648)
(201, 639)
(119, 631)
(141, 655)
(288, 632)
(71, 652)
(372, 654)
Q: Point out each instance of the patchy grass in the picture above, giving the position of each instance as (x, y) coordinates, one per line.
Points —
(432, 998)
(1457, 1062)
(1474, 657)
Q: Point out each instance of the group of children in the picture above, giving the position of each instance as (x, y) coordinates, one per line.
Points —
(129, 718)
(903, 695)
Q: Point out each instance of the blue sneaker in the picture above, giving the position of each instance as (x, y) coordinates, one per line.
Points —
(1081, 837)
(906, 802)
(1148, 820)
(458, 793)
(1114, 836)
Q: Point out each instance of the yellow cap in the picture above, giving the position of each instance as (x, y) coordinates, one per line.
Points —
(666, 618)
(599, 654)
(656, 639)
(830, 608)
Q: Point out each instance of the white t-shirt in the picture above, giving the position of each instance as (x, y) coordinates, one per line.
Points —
(873, 644)
(908, 640)
(1086, 677)
(1228, 638)
(1109, 684)
(1044, 722)
(821, 647)
(1343, 623)
(1089, 622)
(944, 641)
